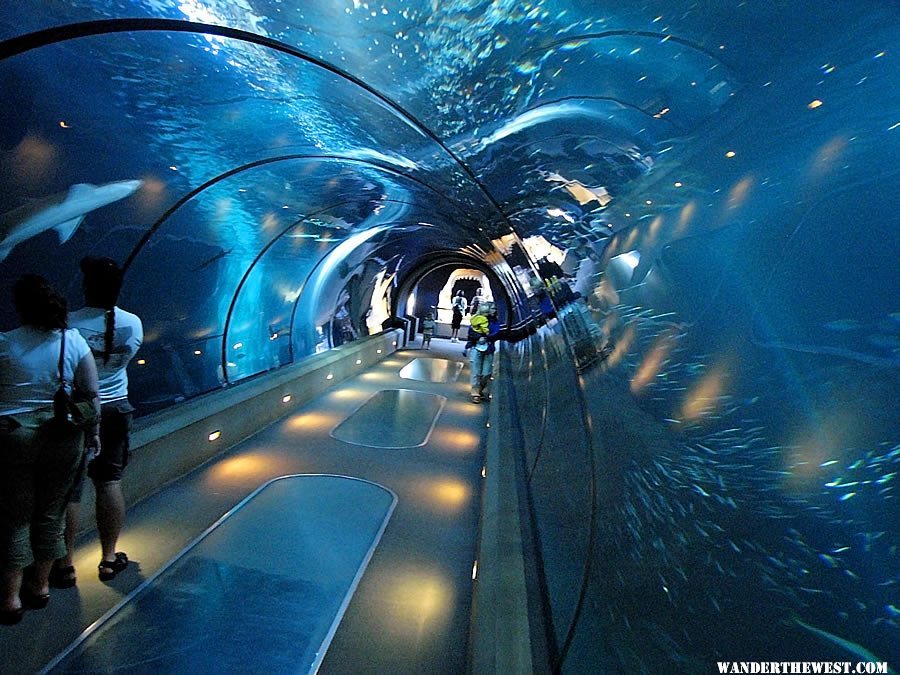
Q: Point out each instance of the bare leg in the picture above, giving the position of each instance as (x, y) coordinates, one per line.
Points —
(12, 584)
(73, 519)
(38, 580)
(110, 516)
(62, 574)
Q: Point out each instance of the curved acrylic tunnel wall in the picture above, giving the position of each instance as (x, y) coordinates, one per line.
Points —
(736, 357)
(243, 180)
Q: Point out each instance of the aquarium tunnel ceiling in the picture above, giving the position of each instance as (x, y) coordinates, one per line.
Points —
(218, 144)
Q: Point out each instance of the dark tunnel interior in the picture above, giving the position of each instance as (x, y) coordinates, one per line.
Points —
(686, 212)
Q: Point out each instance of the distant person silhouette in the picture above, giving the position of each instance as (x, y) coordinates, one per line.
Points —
(459, 305)
(477, 299)
(40, 456)
(114, 337)
(427, 330)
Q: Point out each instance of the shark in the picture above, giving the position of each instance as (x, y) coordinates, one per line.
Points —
(858, 651)
(62, 212)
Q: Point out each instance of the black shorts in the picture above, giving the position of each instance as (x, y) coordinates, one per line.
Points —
(457, 319)
(115, 430)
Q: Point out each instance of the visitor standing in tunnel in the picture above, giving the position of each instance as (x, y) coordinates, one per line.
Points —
(114, 337)
(427, 330)
(459, 305)
(477, 299)
(40, 455)
(484, 331)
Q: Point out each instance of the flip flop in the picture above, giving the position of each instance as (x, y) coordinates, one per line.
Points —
(32, 600)
(110, 568)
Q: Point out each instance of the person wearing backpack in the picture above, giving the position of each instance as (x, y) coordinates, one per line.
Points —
(484, 331)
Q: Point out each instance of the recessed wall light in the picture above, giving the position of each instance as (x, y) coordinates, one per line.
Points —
(214, 436)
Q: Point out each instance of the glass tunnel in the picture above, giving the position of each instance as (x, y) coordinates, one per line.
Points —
(685, 212)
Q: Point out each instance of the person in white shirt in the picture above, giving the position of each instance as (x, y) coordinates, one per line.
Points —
(40, 456)
(477, 299)
(459, 305)
(114, 337)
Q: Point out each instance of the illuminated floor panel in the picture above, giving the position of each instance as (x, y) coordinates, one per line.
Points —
(393, 418)
(432, 370)
(262, 590)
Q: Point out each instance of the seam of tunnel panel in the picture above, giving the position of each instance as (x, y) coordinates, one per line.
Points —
(349, 276)
(663, 38)
(592, 538)
(41, 38)
(535, 572)
(611, 99)
(296, 304)
(591, 455)
(184, 199)
(543, 433)
(249, 270)
(252, 266)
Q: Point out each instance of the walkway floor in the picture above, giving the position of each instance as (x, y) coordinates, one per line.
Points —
(410, 612)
